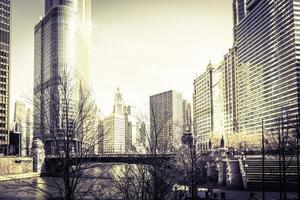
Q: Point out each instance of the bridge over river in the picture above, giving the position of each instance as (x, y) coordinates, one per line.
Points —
(116, 158)
(53, 163)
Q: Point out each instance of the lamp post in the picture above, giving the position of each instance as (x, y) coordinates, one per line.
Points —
(193, 158)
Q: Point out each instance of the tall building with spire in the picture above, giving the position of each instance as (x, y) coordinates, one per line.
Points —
(121, 130)
(208, 106)
(61, 46)
(114, 127)
(119, 103)
(4, 74)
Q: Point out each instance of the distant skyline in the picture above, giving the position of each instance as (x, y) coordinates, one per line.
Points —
(144, 47)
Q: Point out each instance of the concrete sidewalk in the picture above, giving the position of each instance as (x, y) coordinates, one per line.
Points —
(18, 176)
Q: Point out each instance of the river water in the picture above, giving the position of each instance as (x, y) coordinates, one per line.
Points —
(100, 177)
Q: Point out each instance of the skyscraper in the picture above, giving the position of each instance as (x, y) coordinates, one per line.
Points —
(114, 134)
(268, 80)
(4, 74)
(61, 45)
(132, 130)
(115, 128)
(261, 79)
(208, 106)
(239, 11)
(229, 87)
(121, 129)
(166, 125)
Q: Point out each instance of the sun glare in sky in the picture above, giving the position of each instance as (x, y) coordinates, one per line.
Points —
(142, 46)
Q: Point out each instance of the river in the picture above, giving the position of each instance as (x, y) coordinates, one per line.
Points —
(101, 177)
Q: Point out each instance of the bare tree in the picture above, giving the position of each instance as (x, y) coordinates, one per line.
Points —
(281, 145)
(154, 180)
(192, 166)
(65, 120)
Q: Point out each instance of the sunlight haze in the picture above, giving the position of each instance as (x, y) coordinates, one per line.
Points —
(143, 46)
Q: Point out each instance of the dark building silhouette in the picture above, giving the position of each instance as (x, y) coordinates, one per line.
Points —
(4, 74)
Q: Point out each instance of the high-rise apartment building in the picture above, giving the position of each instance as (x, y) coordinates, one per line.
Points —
(267, 44)
(166, 120)
(61, 46)
(208, 106)
(4, 74)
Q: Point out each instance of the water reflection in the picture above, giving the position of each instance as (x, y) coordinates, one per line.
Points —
(101, 177)
(33, 188)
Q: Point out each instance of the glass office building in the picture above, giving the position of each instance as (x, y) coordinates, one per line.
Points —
(4, 74)
(267, 45)
(61, 42)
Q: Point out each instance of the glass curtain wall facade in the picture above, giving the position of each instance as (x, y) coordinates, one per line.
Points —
(4, 74)
(267, 49)
(239, 11)
(61, 45)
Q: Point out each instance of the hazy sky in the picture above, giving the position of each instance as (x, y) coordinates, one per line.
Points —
(142, 46)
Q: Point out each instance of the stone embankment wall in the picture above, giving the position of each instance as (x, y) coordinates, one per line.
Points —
(15, 165)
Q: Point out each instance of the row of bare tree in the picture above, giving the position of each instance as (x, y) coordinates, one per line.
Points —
(66, 122)
(68, 127)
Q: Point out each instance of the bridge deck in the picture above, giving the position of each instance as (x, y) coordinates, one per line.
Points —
(117, 158)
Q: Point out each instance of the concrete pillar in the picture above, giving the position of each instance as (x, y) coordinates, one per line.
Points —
(38, 153)
(221, 172)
